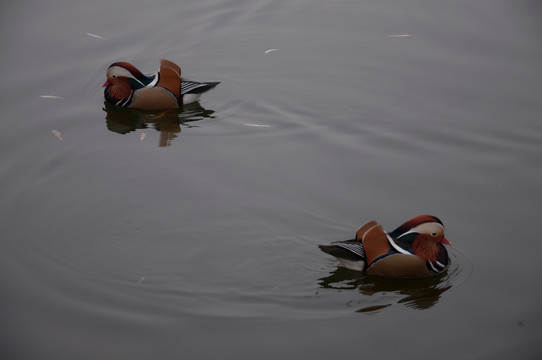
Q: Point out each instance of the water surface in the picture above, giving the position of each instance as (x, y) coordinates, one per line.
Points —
(137, 235)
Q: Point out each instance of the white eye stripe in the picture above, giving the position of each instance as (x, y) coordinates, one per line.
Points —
(120, 71)
(425, 228)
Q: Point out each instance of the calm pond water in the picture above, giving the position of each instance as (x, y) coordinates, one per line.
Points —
(193, 234)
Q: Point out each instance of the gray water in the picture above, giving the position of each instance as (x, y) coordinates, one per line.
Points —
(193, 234)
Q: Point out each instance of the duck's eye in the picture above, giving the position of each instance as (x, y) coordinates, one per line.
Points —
(113, 76)
(434, 234)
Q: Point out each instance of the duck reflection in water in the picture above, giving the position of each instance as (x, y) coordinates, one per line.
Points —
(167, 122)
(417, 293)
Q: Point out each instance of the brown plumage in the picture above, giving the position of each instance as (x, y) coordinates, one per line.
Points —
(126, 86)
(414, 249)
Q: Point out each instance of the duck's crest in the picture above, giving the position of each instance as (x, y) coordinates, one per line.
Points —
(132, 69)
(420, 219)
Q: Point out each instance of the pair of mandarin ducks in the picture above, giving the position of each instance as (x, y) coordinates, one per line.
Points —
(414, 249)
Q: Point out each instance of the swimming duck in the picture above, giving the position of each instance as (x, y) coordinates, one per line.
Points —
(127, 87)
(414, 249)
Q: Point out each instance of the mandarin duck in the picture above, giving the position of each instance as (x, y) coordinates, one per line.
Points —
(414, 249)
(127, 87)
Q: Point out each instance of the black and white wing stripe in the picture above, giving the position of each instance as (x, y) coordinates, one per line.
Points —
(354, 247)
(194, 87)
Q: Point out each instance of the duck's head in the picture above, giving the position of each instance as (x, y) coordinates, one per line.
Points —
(425, 233)
(122, 73)
(428, 226)
(122, 80)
